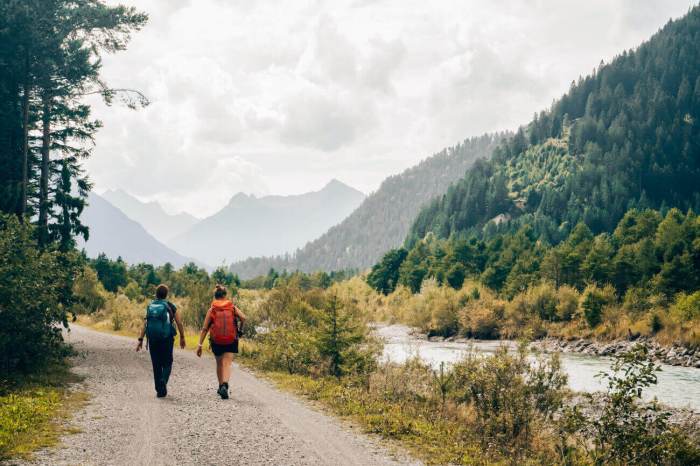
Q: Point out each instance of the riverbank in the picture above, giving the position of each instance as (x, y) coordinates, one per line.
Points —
(677, 386)
(674, 355)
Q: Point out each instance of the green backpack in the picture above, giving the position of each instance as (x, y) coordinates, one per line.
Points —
(158, 325)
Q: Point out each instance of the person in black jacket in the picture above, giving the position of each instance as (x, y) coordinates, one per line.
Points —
(162, 350)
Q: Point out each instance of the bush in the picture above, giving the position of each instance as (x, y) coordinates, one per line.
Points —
(315, 333)
(88, 293)
(482, 317)
(33, 298)
(510, 397)
(290, 349)
(594, 299)
(133, 291)
(199, 298)
(686, 307)
(411, 380)
(621, 428)
(124, 314)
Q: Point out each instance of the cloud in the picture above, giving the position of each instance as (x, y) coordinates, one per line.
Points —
(281, 97)
(325, 120)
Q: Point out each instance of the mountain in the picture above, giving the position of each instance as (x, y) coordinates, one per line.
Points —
(383, 219)
(592, 192)
(626, 136)
(150, 215)
(115, 234)
(250, 226)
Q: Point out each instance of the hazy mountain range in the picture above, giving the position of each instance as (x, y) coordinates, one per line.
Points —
(249, 226)
(112, 232)
(383, 219)
(151, 215)
(122, 225)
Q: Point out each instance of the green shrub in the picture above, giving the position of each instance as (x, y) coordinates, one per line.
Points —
(35, 289)
(88, 292)
(567, 303)
(686, 306)
(621, 428)
(315, 333)
(594, 299)
(511, 398)
(133, 291)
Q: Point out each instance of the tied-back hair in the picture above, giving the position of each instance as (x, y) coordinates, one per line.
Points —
(162, 292)
(219, 292)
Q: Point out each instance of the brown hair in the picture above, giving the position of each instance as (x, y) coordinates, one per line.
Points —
(161, 292)
(219, 292)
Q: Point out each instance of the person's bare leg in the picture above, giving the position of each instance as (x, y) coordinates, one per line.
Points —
(219, 368)
(226, 360)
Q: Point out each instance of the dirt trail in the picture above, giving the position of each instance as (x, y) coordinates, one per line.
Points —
(126, 424)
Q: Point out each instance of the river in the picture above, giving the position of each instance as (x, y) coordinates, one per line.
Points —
(678, 386)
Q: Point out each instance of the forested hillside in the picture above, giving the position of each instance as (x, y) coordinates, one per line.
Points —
(625, 136)
(583, 220)
(383, 219)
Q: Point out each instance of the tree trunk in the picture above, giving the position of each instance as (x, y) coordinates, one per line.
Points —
(44, 180)
(25, 140)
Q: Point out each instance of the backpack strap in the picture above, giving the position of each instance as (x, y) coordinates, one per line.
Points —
(171, 311)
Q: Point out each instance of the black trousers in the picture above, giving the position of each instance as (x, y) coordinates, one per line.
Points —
(162, 360)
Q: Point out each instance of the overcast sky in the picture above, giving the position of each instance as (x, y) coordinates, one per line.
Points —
(279, 97)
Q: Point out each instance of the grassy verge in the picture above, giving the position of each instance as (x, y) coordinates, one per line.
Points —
(416, 426)
(34, 411)
(419, 426)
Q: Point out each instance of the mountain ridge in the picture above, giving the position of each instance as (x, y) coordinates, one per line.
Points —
(150, 215)
(383, 219)
(249, 225)
(113, 233)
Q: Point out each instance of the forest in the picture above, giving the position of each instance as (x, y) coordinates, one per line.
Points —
(50, 61)
(594, 199)
(624, 137)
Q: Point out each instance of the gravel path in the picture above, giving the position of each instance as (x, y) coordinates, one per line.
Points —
(125, 423)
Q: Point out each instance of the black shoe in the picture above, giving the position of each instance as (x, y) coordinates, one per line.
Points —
(223, 391)
(162, 393)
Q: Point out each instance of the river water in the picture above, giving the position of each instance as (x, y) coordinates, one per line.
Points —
(678, 386)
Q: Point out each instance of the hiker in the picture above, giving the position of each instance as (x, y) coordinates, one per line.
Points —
(221, 323)
(158, 327)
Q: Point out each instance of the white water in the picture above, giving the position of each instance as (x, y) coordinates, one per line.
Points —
(678, 386)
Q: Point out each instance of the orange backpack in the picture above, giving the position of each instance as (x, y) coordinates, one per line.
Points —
(223, 329)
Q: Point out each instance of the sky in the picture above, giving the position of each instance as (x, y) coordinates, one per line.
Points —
(280, 97)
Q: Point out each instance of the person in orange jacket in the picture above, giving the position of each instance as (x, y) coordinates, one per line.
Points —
(221, 323)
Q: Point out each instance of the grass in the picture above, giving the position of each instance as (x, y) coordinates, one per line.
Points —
(415, 426)
(35, 411)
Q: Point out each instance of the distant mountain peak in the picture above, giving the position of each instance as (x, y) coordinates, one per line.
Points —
(150, 215)
(337, 185)
(275, 224)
